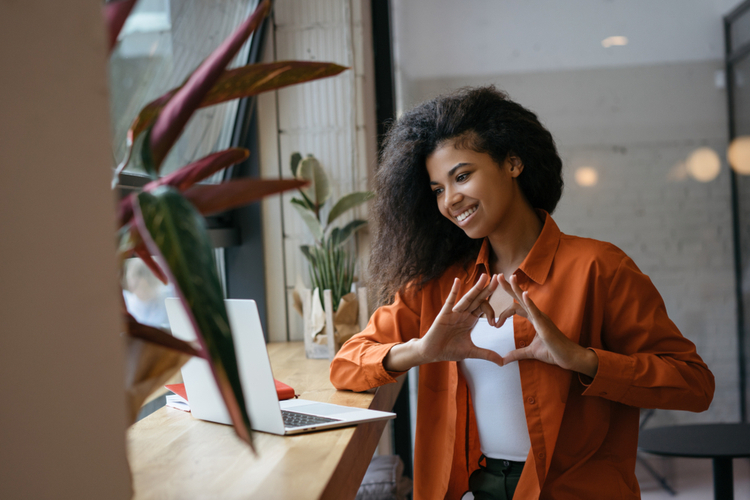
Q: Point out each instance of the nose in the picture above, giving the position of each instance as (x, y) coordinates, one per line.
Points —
(452, 197)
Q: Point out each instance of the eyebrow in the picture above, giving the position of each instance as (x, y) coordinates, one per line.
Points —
(452, 171)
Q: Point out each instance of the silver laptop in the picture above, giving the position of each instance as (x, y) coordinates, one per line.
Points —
(267, 413)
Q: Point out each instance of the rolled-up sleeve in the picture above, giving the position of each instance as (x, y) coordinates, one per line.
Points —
(358, 365)
(646, 361)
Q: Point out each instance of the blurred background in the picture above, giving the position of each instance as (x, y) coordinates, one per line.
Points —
(635, 94)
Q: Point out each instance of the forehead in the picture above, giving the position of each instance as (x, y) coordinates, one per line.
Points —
(446, 156)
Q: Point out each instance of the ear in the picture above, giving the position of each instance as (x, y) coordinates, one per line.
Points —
(516, 165)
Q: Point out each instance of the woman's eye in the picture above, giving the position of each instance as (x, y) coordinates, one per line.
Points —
(461, 177)
(437, 191)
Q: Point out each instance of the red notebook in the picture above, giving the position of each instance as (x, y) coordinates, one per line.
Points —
(283, 390)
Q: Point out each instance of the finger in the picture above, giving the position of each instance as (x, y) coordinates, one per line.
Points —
(516, 354)
(451, 300)
(486, 354)
(517, 292)
(486, 308)
(484, 294)
(507, 287)
(532, 307)
(510, 311)
(469, 297)
(534, 311)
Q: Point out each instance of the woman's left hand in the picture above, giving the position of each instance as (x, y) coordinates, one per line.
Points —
(549, 344)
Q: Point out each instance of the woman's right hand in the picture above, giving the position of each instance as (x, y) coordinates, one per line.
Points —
(449, 337)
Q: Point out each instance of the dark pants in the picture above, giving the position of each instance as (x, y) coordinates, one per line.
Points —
(497, 480)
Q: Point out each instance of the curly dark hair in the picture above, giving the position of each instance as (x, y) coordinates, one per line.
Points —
(413, 242)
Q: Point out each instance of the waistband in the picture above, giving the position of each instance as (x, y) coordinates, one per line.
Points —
(498, 465)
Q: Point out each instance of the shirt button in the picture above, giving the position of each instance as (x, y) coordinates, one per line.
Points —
(531, 400)
(603, 393)
(541, 455)
(521, 343)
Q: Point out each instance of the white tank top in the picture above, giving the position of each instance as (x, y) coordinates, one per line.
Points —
(496, 395)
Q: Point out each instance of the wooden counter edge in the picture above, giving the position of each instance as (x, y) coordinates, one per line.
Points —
(351, 469)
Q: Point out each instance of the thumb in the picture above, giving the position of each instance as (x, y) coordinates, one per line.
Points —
(487, 355)
(516, 354)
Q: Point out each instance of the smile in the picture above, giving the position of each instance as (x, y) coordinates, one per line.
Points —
(464, 215)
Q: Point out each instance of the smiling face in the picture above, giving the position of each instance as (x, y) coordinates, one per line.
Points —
(474, 192)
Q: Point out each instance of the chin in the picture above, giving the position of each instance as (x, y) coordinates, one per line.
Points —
(474, 234)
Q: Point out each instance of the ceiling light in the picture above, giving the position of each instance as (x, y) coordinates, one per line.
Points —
(738, 155)
(614, 40)
(704, 164)
(586, 176)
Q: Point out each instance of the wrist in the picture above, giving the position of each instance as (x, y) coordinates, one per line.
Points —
(588, 363)
(404, 356)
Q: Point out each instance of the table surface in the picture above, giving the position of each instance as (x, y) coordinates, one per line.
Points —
(697, 441)
(174, 456)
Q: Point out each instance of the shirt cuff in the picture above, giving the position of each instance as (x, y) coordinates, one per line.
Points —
(374, 357)
(613, 377)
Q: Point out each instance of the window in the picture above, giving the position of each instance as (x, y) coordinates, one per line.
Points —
(161, 43)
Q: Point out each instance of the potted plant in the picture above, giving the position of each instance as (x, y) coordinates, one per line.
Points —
(331, 265)
(165, 219)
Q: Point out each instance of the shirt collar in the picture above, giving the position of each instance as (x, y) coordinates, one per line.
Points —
(537, 263)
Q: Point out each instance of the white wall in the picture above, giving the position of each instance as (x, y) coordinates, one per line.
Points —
(333, 119)
(634, 114)
(62, 418)
(444, 38)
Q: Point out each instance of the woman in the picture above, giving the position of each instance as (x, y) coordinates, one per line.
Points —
(545, 389)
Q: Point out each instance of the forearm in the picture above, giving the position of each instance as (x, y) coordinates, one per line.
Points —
(648, 380)
(402, 357)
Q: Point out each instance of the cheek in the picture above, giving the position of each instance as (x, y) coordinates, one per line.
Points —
(442, 210)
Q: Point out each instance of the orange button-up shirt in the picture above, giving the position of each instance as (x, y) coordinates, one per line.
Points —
(584, 432)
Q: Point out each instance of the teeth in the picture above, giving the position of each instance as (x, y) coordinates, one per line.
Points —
(464, 215)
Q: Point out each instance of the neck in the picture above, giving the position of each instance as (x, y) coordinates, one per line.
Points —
(512, 243)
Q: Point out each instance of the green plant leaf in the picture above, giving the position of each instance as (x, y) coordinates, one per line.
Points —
(304, 202)
(296, 158)
(348, 202)
(309, 217)
(348, 230)
(312, 171)
(333, 238)
(172, 228)
(310, 257)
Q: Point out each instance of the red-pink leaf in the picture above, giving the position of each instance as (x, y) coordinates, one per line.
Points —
(235, 84)
(201, 169)
(232, 194)
(182, 105)
(186, 177)
(142, 252)
(159, 337)
(115, 15)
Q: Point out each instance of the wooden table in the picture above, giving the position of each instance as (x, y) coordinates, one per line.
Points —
(174, 456)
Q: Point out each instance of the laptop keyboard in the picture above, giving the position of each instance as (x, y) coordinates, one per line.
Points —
(293, 419)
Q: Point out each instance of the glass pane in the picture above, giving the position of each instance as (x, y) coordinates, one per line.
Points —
(741, 94)
(741, 30)
(162, 42)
